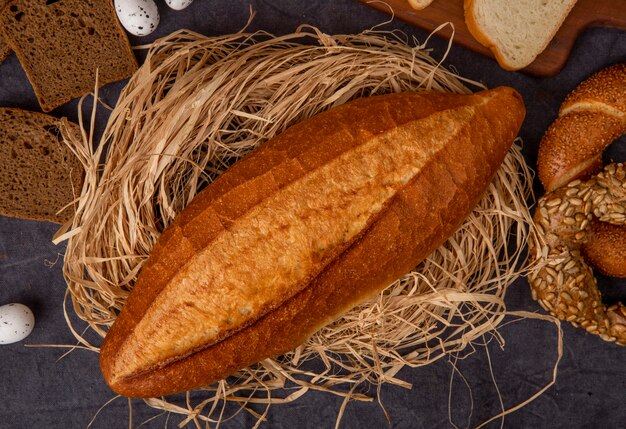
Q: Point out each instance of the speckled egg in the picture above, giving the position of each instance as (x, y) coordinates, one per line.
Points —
(178, 4)
(16, 323)
(138, 17)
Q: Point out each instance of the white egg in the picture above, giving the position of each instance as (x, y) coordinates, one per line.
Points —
(138, 17)
(178, 4)
(16, 323)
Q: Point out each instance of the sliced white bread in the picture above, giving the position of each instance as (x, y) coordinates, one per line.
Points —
(515, 31)
(419, 4)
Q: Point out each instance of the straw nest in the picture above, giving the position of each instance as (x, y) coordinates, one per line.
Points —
(196, 106)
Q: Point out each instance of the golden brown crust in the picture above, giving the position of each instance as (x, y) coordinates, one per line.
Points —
(590, 118)
(480, 36)
(606, 248)
(573, 145)
(416, 221)
(607, 87)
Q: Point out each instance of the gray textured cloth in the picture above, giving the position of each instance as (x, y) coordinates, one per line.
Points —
(38, 390)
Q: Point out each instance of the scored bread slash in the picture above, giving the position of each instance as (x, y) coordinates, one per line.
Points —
(314, 222)
(61, 44)
(39, 175)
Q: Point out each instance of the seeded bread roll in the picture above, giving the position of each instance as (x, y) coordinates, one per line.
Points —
(562, 282)
(39, 175)
(61, 44)
(314, 222)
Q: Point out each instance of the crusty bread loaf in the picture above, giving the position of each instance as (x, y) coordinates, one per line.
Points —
(314, 222)
(515, 31)
(39, 175)
(61, 44)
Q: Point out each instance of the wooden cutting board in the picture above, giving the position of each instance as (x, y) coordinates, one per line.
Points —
(586, 13)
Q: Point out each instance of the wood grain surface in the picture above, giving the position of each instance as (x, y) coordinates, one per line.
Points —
(585, 14)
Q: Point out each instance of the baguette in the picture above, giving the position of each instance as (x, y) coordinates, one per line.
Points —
(311, 224)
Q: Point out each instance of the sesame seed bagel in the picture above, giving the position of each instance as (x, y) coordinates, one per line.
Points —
(590, 119)
(573, 145)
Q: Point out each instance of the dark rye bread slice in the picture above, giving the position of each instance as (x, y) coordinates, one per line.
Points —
(5, 50)
(61, 43)
(39, 175)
